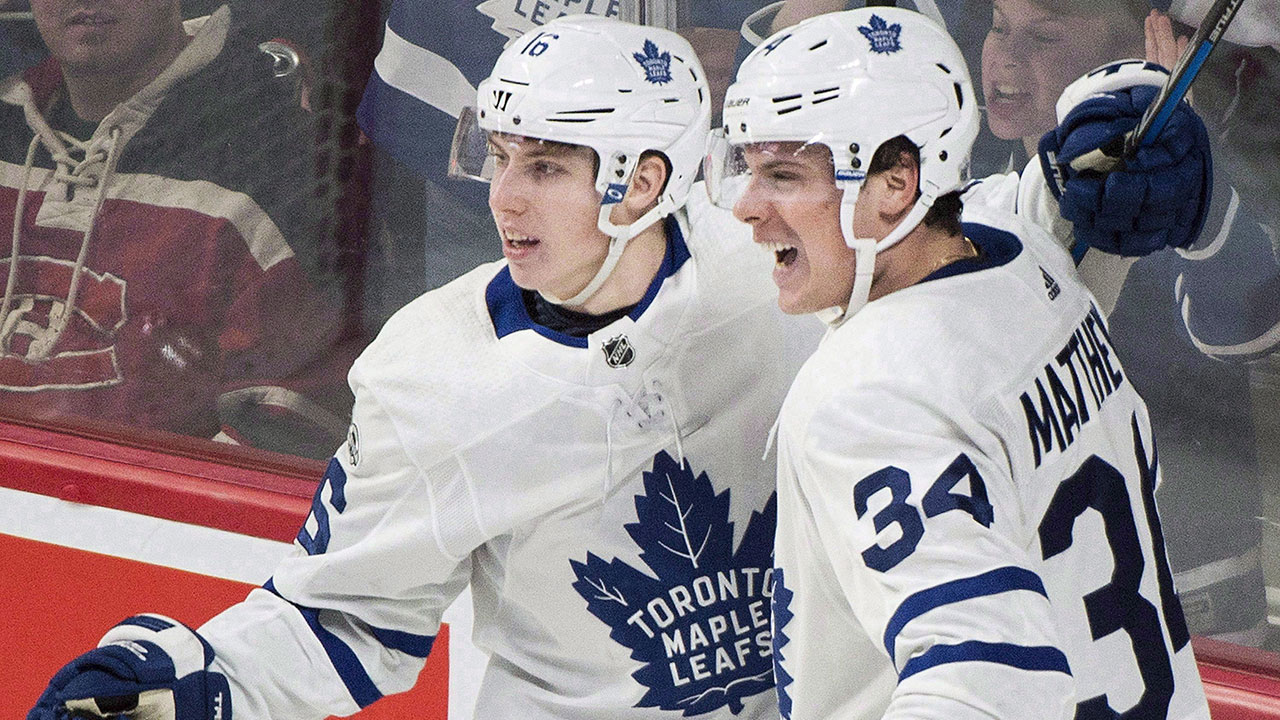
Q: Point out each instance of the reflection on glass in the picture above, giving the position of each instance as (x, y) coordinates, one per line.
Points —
(162, 274)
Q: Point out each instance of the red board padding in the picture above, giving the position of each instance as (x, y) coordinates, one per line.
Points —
(59, 601)
(1242, 683)
(260, 503)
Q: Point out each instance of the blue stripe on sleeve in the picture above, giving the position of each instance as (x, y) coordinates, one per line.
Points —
(418, 646)
(993, 582)
(344, 659)
(1017, 656)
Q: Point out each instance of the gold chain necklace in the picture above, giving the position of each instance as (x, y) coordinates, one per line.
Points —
(969, 251)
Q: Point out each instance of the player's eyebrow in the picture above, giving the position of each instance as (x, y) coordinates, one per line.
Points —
(783, 162)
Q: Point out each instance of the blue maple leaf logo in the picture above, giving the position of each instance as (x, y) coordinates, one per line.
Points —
(657, 65)
(781, 616)
(884, 38)
(701, 626)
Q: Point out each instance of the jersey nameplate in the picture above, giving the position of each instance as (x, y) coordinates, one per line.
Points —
(1055, 410)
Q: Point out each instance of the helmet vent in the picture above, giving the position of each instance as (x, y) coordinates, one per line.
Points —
(959, 94)
(825, 94)
(514, 82)
(945, 69)
(787, 99)
(580, 116)
(815, 47)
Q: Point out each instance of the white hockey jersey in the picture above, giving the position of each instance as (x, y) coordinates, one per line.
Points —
(607, 499)
(966, 525)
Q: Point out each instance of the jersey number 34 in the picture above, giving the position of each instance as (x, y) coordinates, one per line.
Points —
(1118, 605)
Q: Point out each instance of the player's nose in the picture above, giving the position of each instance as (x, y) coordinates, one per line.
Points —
(506, 193)
(751, 206)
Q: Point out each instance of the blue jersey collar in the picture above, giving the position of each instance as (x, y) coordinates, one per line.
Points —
(998, 247)
(508, 313)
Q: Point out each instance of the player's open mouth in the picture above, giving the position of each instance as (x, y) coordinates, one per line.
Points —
(518, 241)
(783, 255)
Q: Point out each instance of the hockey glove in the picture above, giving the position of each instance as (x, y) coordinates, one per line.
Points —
(1157, 197)
(148, 667)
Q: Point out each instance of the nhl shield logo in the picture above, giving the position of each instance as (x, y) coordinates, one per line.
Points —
(657, 65)
(884, 38)
(618, 352)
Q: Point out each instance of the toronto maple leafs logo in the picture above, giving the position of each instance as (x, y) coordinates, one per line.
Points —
(700, 622)
(657, 66)
(781, 616)
(884, 38)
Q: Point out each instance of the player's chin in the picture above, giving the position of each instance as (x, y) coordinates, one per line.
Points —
(793, 302)
(526, 277)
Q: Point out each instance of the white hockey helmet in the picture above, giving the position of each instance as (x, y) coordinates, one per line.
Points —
(617, 88)
(851, 81)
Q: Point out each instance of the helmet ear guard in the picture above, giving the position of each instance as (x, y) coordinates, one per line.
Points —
(620, 89)
(852, 81)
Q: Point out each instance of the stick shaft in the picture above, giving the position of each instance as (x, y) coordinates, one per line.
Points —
(1184, 73)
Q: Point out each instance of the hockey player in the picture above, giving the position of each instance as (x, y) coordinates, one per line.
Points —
(576, 432)
(966, 527)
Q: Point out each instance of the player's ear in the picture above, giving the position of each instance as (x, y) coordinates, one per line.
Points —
(901, 184)
(647, 183)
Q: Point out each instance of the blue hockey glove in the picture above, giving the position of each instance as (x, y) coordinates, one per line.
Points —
(1157, 197)
(148, 667)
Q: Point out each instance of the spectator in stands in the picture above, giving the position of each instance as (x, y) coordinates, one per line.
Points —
(157, 274)
(1176, 315)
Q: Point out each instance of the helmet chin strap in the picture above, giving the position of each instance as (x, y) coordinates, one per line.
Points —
(619, 236)
(865, 251)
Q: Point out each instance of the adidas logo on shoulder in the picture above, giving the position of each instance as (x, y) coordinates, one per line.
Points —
(1050, 285)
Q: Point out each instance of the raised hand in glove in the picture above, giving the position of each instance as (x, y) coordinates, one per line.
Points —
(1136, 204)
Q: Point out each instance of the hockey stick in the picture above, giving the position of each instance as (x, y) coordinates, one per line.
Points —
(1190, 63)
(1184, 73)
